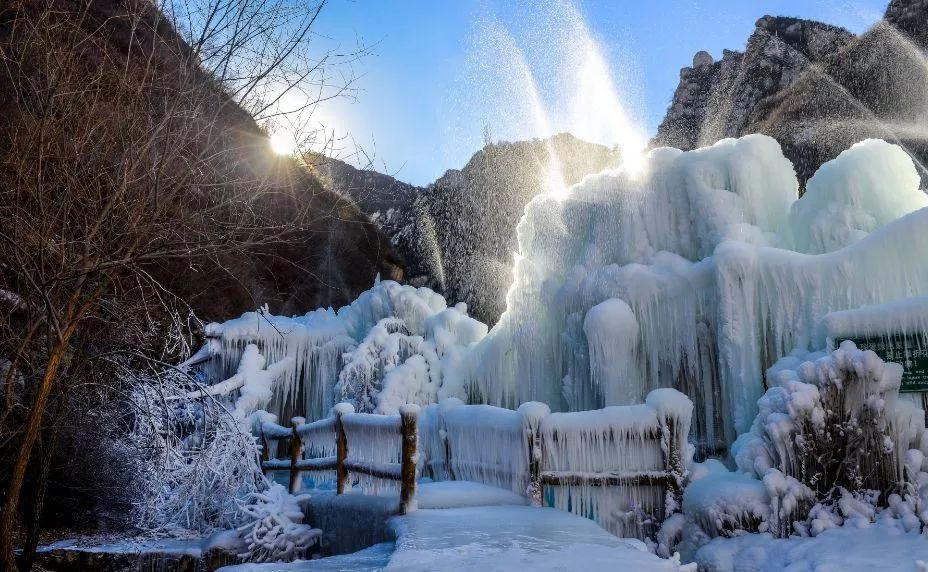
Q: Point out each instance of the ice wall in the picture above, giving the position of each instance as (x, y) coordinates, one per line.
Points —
(698, 274)
(395, 344)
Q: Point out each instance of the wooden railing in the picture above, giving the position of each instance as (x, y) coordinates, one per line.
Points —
(520, 450)
(671, 476)
(665, 439)
(334, 428)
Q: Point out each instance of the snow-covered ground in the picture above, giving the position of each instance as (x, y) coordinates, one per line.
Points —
(487, 539)
(190, 547)
(875, 548)
(457, 494)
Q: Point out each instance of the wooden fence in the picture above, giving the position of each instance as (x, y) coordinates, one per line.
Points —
(334, 429)
(648, 454)
(521, 450)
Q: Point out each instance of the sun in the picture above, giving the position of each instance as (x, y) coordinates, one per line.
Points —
(283, 142)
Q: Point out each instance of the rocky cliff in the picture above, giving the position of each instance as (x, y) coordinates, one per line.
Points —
(720, 99)
(814, 87)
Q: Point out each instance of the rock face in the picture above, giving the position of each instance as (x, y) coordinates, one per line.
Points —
(719, 99)
(911, 17)
(457, 236)
(816, 88)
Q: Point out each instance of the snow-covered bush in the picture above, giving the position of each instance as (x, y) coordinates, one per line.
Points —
(830, 447)
(198, 461)
(275, 531)
(194, 460)
(832, 424)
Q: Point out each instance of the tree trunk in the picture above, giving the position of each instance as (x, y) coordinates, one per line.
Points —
(38, 506)
(14, 488)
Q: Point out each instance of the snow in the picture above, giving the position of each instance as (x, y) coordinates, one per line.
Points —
(506, 538)
(724, 500)
(177, 546)
(866, 549)
(908, 316)
(846, 199)
(456, 494)
(395, 344)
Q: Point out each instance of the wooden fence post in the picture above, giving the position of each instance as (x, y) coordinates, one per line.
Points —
(673, 462)
(265, 453)
(532, 414)
(408, 418)
(341, 447)
(449, 469)
(296, 451)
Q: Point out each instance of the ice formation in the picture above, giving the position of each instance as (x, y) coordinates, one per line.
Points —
(696, 273)
(374, 441)
(703, 270)
(485, 444)
(393, 345)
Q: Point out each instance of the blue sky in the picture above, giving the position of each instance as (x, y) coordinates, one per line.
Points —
(443, 73)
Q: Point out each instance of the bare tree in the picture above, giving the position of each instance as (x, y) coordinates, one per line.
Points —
(128, 155)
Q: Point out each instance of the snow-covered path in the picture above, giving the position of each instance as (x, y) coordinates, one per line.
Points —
(507, 538)
(489, 538)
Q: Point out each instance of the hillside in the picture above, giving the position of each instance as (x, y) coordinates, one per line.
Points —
(330, 250)
(458, 235)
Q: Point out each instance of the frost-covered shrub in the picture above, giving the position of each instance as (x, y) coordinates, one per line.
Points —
(275, 531)
(197, 454)
(833, 424)
(194, 460)
(829, 447)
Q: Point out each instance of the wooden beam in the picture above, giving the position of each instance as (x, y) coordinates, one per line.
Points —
(341, 451)
(388, 471)
(565, 478)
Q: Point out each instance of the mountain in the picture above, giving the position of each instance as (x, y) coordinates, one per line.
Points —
(473, 213)
(331, 250)
(457, 235)
(816, 88)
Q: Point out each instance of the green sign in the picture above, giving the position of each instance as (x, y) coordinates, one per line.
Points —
(906, 350)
